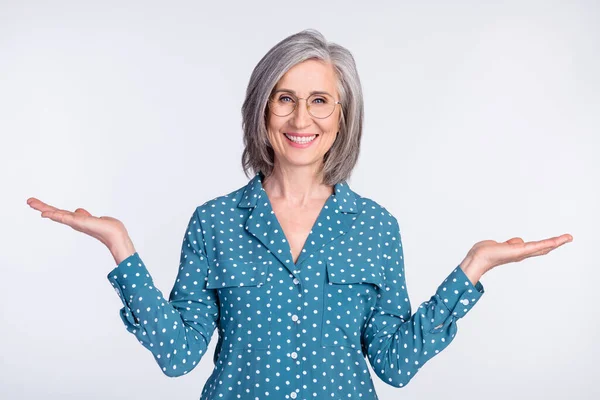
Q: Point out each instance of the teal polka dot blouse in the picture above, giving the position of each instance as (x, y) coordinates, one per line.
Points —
(290, 330)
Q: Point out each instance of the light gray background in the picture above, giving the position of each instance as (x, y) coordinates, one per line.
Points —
(482, 122)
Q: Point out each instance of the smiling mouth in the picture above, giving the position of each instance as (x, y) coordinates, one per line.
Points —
(301, 139)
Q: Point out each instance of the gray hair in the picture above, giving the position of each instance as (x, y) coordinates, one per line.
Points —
(340, 160)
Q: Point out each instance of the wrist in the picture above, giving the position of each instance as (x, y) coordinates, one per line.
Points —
(121, 249)
(472, 268)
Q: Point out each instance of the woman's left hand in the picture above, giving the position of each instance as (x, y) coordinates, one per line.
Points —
(490, 254)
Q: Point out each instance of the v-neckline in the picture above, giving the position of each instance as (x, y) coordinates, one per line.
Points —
(334, 220)
(310, 232)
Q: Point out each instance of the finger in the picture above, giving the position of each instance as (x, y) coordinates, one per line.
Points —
(74, 220)
(40, 205)
(532, 249)
(514, 240)
(542, 252)
(539, 253)
(55, 215)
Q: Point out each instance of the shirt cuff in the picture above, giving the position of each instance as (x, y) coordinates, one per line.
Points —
(458, 296)
(458, 293)
(128, 278)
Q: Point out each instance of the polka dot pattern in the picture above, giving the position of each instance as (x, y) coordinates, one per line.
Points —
(290, 330)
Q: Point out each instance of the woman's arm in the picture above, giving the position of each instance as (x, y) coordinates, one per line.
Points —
(397, 342)
(177, 332)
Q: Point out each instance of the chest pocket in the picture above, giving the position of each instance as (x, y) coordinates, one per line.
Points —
(349, 295)
(244, 290)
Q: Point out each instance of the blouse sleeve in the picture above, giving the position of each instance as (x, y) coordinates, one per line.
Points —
(177, 332)
(398, 343)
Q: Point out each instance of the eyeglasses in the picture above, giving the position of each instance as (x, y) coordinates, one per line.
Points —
(319, 106)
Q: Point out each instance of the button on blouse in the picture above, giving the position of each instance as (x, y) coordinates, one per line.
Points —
(288, 330)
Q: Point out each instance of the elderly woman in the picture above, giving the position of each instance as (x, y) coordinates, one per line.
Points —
(303, 277)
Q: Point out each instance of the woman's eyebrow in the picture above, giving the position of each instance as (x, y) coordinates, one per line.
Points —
(294, 93)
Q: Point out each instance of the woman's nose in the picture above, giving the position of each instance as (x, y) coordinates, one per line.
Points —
(301, 117)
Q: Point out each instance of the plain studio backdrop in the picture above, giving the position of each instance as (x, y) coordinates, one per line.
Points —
(481, 122)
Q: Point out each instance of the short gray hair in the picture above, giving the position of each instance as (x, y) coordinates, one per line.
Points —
(340, 160)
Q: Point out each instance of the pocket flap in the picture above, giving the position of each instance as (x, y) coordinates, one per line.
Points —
(232, 273)
(343, 272)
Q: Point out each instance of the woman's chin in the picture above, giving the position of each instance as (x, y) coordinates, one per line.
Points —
(304, 160)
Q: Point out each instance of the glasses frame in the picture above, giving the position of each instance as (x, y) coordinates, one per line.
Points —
(297, 100)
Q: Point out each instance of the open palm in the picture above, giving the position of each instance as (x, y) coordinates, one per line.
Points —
(491, 253)
(105, 229)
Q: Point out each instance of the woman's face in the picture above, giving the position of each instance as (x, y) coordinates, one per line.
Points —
(303, 79)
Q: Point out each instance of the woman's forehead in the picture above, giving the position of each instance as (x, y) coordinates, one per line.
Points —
(309, 76)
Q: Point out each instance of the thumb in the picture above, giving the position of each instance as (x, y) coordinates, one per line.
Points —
(514, 240)
(83, 212)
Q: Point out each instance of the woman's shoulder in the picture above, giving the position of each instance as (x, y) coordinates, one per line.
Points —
(223, 202)
(375, 210)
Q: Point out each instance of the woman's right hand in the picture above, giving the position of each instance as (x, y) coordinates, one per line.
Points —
(109, 231)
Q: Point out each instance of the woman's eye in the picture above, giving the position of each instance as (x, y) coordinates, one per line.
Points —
(319, 100)
(285, 99)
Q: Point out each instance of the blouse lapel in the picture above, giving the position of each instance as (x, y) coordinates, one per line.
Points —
(334, 220)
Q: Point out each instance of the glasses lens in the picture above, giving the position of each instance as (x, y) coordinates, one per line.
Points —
(320, 105)
(283, 104)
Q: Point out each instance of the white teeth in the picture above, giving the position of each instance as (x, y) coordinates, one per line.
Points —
(301, 139)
